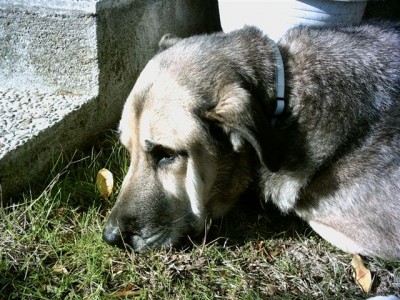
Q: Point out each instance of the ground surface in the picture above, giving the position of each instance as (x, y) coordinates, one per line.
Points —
(51, 248)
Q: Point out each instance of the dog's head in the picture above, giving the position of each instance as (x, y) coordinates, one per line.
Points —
(195, 132)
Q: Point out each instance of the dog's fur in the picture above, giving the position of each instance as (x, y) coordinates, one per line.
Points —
(198, 128)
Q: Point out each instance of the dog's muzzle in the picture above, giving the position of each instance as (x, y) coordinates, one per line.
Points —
(113, 236)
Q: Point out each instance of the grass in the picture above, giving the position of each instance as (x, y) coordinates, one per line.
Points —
(51, 248)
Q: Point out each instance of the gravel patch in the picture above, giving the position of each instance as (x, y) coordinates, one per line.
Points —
(24, 114)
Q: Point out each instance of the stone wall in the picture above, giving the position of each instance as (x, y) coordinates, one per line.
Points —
(81, 58)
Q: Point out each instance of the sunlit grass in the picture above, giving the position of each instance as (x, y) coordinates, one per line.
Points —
(51, 248)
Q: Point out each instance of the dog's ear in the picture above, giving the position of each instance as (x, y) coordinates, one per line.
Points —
(244, 120)
(167, 41)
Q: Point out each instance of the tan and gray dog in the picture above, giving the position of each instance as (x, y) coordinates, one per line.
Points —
(199, 126)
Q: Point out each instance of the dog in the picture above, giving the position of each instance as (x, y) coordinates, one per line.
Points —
(200, 127)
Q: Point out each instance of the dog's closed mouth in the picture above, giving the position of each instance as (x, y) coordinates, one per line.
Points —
(139, 242)
(135, 241)
(156, 240)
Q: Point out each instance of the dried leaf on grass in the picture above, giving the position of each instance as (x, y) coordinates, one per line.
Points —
(270, 252)
(260, 245)
(361, 274)
(277, 251)
(271, 289)
(126, 292)
(60, 269)
(105, 182)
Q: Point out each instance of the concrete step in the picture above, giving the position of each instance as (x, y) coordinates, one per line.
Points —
(35, 129)
(66, 68)
(25, 114)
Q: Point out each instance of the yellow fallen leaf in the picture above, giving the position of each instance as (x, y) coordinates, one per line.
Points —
(361, 274)
(105, 182)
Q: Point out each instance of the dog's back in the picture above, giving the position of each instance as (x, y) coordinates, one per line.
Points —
(345, 99)
(342, 81)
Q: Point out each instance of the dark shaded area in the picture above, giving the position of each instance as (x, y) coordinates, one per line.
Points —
(382, 9)
(253, 219)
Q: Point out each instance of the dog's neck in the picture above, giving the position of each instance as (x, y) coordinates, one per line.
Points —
(279, 84)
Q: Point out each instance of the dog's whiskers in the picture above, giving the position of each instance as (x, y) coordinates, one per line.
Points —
(181, 218)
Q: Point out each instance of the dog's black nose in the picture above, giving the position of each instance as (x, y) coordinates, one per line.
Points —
(112, 235)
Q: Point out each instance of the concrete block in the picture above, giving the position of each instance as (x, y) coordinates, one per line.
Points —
(49, 45)
(88, 52)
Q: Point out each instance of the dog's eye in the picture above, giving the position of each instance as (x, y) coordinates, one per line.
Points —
(163, 156)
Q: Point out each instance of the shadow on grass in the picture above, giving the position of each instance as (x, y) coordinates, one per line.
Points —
(253, 220)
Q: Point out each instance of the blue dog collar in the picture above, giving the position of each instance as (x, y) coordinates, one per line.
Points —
(280, 84)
